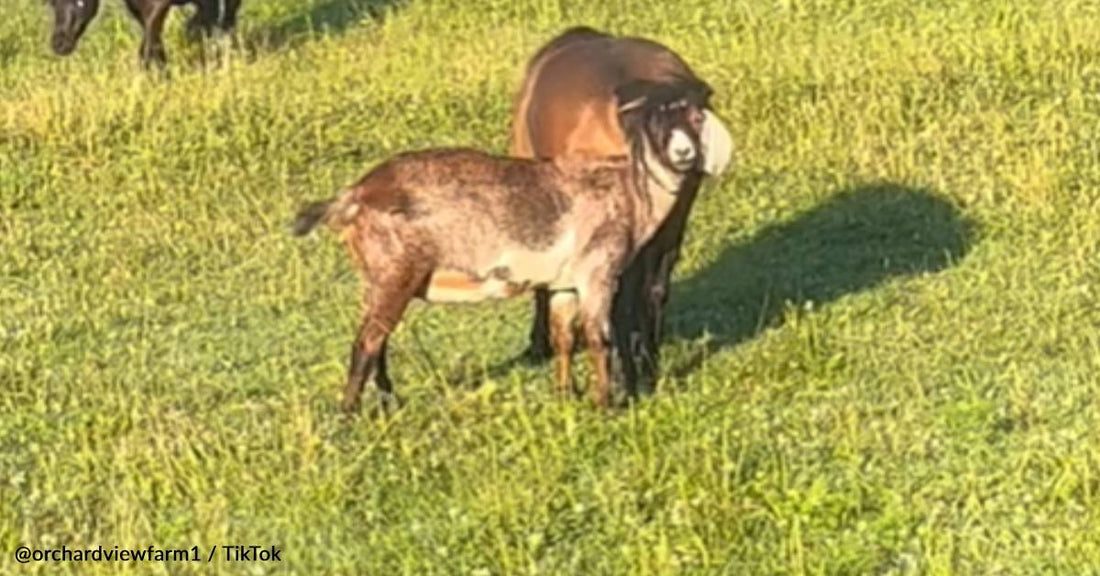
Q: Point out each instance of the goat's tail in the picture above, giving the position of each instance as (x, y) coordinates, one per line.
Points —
(337, 213)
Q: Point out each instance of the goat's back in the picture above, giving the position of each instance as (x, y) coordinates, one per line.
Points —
(464, 196)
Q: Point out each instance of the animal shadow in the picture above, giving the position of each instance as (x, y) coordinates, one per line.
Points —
(9, 49)
(324, 16)
(855, 240)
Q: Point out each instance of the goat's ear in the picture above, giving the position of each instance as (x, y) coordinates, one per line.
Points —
(717, 144)
(705, 92)
(694, 90)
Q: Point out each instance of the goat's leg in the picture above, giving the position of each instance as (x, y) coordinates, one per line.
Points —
(368, 353)
(387, 397)
(360, 368)
(563, 314)
(540, 348)
(595, 302)
(366, 359)
(152, 45)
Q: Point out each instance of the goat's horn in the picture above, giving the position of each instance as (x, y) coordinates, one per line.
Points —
(635, 103)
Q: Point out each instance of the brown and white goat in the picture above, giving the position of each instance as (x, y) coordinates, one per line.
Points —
(459, 225)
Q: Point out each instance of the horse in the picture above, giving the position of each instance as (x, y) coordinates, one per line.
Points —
(71, 19)
(565, 107)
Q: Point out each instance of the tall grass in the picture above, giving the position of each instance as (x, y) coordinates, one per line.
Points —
(883, 353)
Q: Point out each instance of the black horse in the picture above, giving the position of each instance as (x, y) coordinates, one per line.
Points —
(71, 18)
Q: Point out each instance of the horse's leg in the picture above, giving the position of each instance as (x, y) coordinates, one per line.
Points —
(135, 9)
(540, 348)
(630, 321)
(227, 20)
(656, 263)
(152, 45)
(201, 24)
(659, 291)
(563, 314)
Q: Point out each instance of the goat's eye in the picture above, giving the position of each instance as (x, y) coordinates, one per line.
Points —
(696, 117)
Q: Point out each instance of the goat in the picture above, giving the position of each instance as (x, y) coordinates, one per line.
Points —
(71, 18)
(459, 225)
(564, 108)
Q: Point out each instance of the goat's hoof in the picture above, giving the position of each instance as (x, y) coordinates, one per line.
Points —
(388, 403)
(565, 393)
(350, 406)
(603, 403)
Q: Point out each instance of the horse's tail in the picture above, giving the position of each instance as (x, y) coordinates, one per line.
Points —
(337, 213)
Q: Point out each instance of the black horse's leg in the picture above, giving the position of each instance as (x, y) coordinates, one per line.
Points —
(227, 20)
(135, 8)
(659, 290)
(643, 294)
(201, 25)
(630, 324)
(152, 45)
(540, 348)
(658, 266)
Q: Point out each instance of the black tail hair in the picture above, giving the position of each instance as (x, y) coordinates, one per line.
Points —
(310, 216)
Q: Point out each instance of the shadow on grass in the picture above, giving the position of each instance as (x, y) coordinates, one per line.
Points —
(9, 49)
(323, 17)
(852, 242)
(855, 240)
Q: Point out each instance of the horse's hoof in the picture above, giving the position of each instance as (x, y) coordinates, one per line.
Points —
(538, 352)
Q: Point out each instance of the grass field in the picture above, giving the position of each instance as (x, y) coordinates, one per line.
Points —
(883, 353)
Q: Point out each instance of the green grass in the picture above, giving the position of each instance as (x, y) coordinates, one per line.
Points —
(884, 341)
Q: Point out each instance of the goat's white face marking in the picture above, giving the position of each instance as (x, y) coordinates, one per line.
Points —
(717, 144)
(681, 149)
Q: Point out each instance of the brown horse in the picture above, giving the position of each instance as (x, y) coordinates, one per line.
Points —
(567, 107)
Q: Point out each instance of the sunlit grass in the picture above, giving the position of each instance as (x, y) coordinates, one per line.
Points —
(883, 352)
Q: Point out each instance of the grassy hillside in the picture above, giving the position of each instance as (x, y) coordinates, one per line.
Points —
(884, 346)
